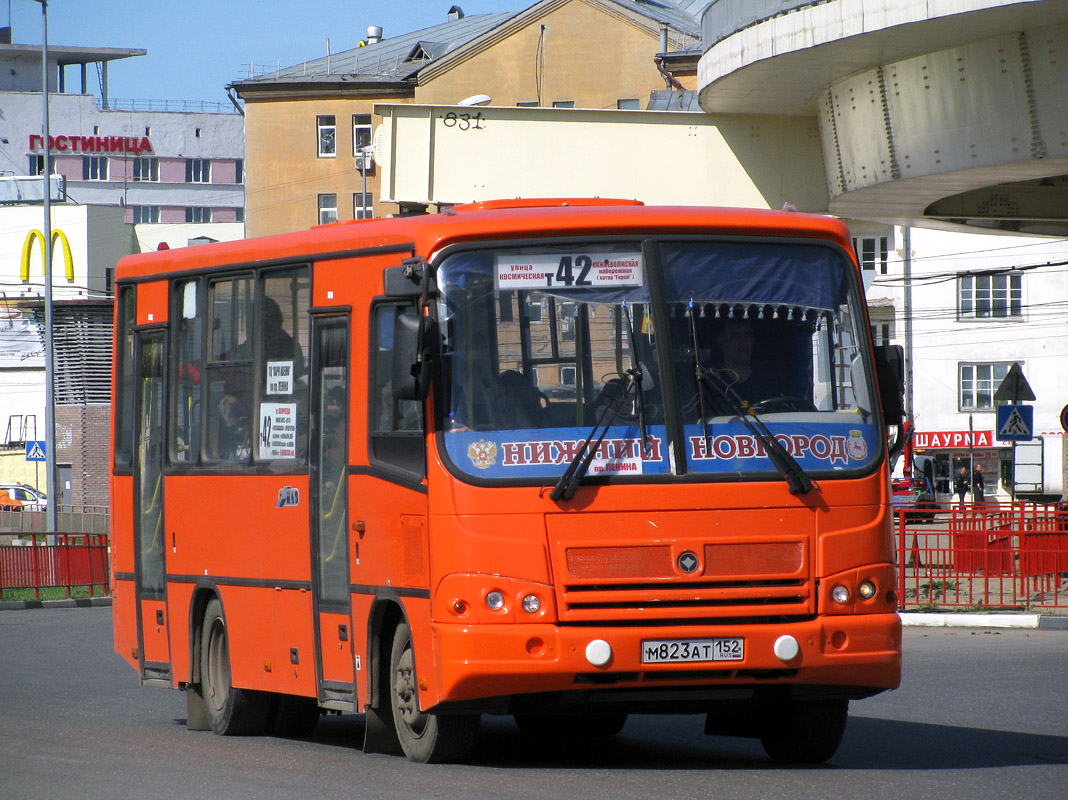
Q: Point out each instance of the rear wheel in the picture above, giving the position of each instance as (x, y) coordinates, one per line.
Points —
(805, 732)
(230, 711)
(428, 738)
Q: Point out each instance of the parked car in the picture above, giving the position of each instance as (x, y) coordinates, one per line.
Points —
(915, 496)
(25, 497)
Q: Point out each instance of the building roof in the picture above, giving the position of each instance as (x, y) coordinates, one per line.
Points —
(400, 59)
(67, 55)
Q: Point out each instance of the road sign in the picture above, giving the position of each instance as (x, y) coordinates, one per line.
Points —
(1015, 423)
(1014, 388)
(35, 451)
(1064, 419)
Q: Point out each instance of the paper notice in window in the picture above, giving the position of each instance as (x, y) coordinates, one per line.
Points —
(279, 377)
(278, 430)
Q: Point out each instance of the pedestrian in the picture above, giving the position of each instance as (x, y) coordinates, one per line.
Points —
(977, 484)
(961, 484)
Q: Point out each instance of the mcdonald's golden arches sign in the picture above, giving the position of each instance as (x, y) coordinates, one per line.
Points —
(27, 250)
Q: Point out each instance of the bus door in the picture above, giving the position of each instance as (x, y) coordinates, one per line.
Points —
(149, 531)
(329, 510)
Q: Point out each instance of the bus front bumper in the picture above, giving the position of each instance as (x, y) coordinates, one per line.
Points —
(860, 654)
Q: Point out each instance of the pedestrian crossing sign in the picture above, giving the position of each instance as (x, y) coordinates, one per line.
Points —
(35, 451)
(1015, 423)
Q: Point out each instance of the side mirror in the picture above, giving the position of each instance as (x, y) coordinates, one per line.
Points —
(411, 362)
(890, 373)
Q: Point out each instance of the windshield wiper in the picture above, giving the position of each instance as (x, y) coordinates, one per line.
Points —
(796, 479)
(580, 464)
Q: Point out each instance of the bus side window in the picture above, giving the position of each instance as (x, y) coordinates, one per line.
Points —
(396, 425)
(229, 371)
(189, 366)
(282, 421)
(126, 389)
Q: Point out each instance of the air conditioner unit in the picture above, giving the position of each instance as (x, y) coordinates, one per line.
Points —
(364, 161)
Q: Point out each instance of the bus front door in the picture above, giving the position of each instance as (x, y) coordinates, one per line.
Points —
(329, 510)
(149, 534)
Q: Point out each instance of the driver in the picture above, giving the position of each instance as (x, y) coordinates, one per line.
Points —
(739, 365)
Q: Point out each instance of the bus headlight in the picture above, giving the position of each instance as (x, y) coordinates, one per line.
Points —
(532, 604)
(494, 600)
(867, 590)
(840, 594)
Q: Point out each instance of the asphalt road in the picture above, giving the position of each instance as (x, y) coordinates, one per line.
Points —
(981, 714)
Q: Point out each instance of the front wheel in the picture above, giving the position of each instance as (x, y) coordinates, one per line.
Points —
(805, 732)
(231, 711)
(426, 738)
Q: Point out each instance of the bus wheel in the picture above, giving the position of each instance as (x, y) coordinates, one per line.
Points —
(427, 738)
(805, 732)
(593, 725)
(292, 717)
(231, 711)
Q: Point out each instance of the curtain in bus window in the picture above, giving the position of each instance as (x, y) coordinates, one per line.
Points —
(189, 368)
(229, 371)
(282, 418)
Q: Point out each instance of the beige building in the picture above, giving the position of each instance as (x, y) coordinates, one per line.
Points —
(307, 125)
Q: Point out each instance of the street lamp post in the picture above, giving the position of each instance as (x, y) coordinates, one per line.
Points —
(50, 407)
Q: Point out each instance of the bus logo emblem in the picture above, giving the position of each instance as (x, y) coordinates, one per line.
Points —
(288, 496)
(688, 562)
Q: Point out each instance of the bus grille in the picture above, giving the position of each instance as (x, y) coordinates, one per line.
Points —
(735, 579)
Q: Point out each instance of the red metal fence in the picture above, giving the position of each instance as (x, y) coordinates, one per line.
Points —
(986, 556)
(74, 560)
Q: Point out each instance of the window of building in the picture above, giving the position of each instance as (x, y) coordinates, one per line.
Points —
(239, 214)
(362, 205)
(629, 104)
(94, 168)
(327, 134)
(361, 132)
(239, 170)
(146, 169)
(198, 170)
(527, 104)
(197, 214)
(989, 296)
(37, 165)
(978, 382)
(327, 208)
(882, 325)
(873, 252)
(142, 214)
(563, 103)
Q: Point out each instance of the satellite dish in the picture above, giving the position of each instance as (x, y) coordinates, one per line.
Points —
(476, 100)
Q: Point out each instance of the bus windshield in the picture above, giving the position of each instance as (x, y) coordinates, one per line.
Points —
(673, 349)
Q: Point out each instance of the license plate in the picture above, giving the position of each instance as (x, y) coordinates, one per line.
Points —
(661, 651)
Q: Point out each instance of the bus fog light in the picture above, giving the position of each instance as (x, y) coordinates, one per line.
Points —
(786, 648)
(598, 652)
(532, 604)
(867, 590)
(840, 594)
(494, 601)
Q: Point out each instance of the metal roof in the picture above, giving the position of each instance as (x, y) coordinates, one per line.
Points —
(389, 59)
(682, 15)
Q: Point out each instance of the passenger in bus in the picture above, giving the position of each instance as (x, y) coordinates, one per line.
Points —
(233, 431)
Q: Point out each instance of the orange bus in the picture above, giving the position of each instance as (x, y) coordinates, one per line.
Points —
(564, 460)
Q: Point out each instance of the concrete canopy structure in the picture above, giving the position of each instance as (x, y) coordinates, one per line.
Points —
(904, 92)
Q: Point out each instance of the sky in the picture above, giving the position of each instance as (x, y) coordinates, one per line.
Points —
(197, 47)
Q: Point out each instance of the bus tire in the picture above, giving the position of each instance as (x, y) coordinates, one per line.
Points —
(425, 738)
(805, 732)
(293, 717)
(231, 711)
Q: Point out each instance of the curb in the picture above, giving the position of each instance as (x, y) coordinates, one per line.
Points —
(1028, 621)
(80, 602)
